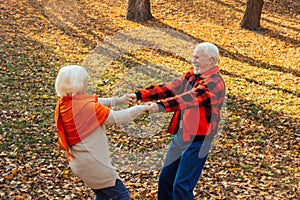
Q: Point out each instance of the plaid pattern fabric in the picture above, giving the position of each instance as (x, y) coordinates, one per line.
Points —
(201, 104)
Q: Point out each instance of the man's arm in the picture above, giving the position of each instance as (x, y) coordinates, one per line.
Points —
(205, 94)
(157, 92)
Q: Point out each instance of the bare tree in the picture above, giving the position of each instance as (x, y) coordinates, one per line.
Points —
(139, 10)
(252, 15)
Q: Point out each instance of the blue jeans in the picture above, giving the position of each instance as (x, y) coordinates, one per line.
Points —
(182, 168)
(118, 192)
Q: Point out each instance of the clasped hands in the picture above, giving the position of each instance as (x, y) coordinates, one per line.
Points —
(131, 98)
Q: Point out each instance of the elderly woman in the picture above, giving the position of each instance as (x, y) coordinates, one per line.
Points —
(80, 120)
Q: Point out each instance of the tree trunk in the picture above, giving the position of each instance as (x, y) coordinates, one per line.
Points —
(138, 10)
(252, 15)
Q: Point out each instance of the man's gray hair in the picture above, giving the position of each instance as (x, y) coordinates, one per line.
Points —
(210, 49)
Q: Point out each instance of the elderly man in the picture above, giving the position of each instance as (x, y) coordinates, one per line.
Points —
(196, 99)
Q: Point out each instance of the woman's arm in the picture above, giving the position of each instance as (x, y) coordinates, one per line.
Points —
(110, 102)
(124, 116)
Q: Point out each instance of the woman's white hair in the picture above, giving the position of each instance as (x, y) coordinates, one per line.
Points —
(71, 80)
(210, 49)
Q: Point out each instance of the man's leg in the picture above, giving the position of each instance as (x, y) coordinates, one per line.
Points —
(189, 171)
(166, 180)
(169, 170)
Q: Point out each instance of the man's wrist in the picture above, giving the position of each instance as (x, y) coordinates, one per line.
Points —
(138, 95)
(161, 106)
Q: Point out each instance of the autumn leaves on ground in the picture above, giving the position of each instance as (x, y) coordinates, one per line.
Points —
(256, 154)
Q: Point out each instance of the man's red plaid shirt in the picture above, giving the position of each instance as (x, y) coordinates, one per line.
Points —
(201, 104)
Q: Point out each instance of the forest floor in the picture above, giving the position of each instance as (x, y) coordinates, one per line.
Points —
(256, 153)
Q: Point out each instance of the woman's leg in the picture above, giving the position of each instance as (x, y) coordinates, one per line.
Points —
(118, 192)
(100, 195)
(121, 192)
